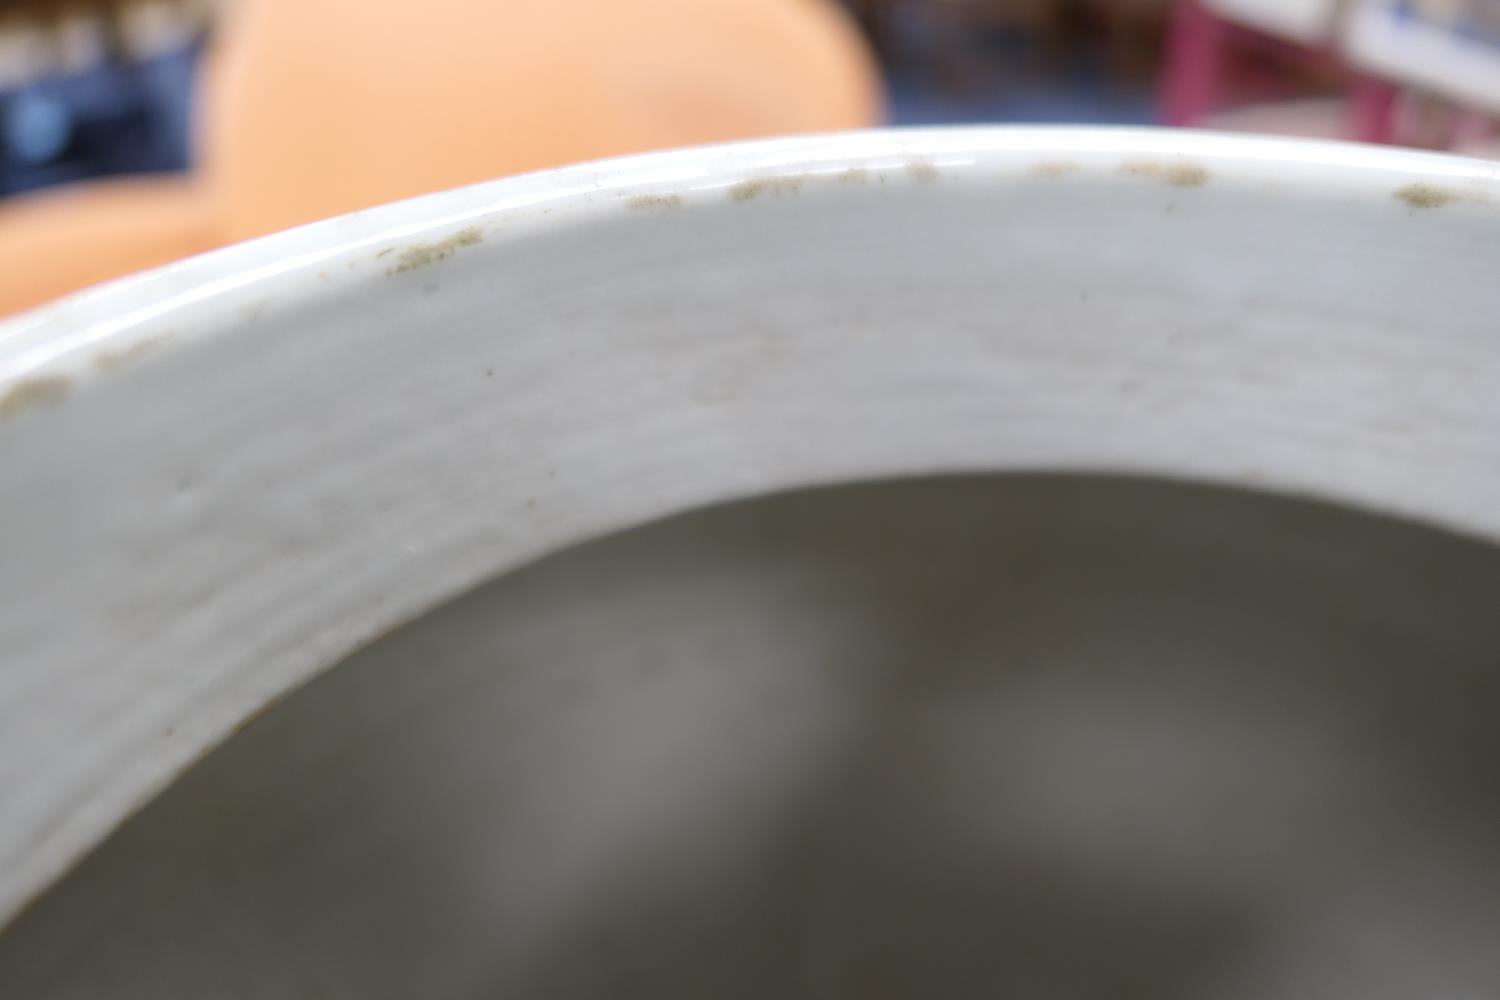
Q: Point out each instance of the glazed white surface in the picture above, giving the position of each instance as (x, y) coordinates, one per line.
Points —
(225, 476)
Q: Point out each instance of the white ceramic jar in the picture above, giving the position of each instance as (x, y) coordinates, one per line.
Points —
(1034, 733)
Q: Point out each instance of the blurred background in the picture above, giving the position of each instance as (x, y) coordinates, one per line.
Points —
(136, 132)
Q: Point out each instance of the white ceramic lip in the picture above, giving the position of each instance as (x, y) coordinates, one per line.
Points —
(49, 336)
(165, 580)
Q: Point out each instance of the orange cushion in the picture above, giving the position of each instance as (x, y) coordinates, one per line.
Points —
(316, 107)
(325, 106)
(64, 239)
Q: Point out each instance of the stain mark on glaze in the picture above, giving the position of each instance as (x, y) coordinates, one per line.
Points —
(659, 201)
(1054, 169)
(110, 361)
(256, 714)
(1424, 195)
(1420, 195)
(44, 390)
(749, 190)
(854, 175)
(922, 172)
(1175, 174)
(423, 254)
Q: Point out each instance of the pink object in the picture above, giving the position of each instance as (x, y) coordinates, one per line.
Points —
(1373, 109)
(1194, 64)
(1198, 44)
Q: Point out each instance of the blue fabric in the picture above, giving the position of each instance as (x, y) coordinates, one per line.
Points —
(109, 119)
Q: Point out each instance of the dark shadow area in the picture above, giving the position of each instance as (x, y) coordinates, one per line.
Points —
(1036, 736)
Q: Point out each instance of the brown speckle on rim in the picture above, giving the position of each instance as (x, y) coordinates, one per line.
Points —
(43, 390)
(650, 201)
(1054, 169)
(423, 254)
(922, 172)
(108, 361)
(1421, 195)
(1175, 174)
(749, 190)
